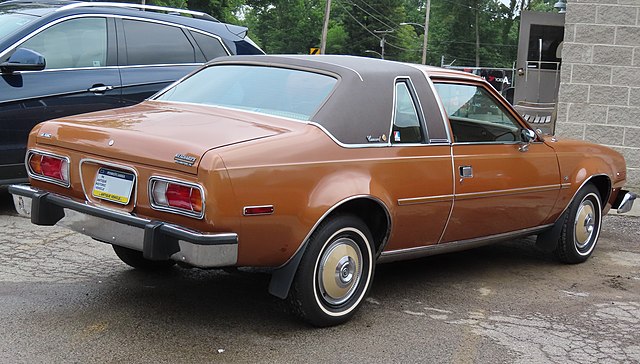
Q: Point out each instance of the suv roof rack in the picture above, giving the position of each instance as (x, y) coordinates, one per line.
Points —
(195, 14)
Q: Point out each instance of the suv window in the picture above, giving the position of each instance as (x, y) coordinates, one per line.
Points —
(210, 46)
(152, 43)
(10, 22)
(476, 116)
(406, 123)
(72, 44)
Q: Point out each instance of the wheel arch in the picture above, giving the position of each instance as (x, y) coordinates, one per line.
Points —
(374, 213)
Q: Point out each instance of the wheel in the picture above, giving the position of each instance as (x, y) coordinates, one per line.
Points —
(581, 227)
(135, 259)
(335, 272)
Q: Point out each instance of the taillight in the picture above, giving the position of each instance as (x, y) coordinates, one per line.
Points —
(177, 197)
(48, 167)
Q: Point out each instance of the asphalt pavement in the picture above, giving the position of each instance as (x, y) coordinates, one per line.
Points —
(67, 299)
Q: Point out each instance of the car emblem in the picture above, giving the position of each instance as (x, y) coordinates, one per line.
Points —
(184, 159)
(372, 139)
(45, 135)
(111, 142)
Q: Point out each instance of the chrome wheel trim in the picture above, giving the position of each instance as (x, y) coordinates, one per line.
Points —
(586, 226)
(364, 280)
(340, 270)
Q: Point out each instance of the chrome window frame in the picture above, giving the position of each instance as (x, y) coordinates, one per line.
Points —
(417, 108)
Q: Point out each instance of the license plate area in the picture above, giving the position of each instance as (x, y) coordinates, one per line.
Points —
(113, 185)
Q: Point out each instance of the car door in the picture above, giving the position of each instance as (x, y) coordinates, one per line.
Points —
(501, 184)
(77, 79)
(155, 54)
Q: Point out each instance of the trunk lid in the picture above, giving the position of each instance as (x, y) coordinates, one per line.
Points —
(157, 133)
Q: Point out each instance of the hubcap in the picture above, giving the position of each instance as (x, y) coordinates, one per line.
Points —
(340, 271)
(584, 224)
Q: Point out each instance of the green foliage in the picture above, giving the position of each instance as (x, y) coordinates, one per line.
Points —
(294, 26)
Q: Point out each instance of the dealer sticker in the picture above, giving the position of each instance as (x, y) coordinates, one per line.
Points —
(115, 186)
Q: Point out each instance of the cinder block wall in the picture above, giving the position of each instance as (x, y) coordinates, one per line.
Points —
(599, 97)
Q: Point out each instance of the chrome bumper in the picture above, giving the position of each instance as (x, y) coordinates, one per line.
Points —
(156, 240)
(624, 201)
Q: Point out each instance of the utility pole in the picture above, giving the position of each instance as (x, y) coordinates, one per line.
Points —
(426, 32)
(382, 39)
(477, 35)
(325, 27)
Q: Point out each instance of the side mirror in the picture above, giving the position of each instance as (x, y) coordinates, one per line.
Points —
(23, 59)
(528, 136)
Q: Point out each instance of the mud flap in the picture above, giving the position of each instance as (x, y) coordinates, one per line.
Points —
(548, 240)
(282, 278)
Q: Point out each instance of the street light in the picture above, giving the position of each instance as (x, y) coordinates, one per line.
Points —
(561, 5)
(426, 31)
(374, 52)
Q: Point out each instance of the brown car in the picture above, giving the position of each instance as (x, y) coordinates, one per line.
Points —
(318, 167)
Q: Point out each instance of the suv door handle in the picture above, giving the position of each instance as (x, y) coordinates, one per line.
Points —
(99, 89)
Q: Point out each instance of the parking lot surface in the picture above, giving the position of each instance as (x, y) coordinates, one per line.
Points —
(65, 298)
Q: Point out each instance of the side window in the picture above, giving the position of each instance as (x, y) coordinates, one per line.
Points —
(151, 43)
(406, 123)
(72, 44)
(210, 46)
(476, 116)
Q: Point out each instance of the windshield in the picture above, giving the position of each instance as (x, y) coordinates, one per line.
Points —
(10, 22)
(276, 91)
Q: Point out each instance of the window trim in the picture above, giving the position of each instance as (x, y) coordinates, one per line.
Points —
(44, 27)
(416, 106)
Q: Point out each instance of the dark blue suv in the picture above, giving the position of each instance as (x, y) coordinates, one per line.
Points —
(59, 58)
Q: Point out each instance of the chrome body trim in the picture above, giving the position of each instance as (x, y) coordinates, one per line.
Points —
(331, 209)
(424, 200)
(172, 210)
(507, 192)
(579, 188)
(626, 204)
(417, 108)
(453, 202)
(45, 178)
(425, 251)
(443, 112)
(244, 210)
(113, 165)
(200, 249)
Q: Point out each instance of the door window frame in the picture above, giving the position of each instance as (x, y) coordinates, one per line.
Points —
(406, 80)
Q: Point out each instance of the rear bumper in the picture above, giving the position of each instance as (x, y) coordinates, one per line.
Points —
(624, 201)
(156, 240)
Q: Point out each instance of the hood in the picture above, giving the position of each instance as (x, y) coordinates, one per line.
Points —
(173, 136)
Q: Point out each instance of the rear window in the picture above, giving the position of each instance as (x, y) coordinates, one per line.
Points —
(270, 90)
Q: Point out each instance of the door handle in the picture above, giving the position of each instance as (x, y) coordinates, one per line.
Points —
(98, 89)
(466, 172)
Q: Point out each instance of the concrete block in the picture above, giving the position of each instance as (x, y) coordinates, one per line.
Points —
(570, 130)
(587, 114)
(624, 115)
(604, 134)
(575, 93)
(625, 76)
(609, 95)
(634, 96)
(613, 55)
(617, 15)
(563, 111)
(628, 36)
(631, 156)
(636, 56)
(578, 53)
(569, 32)
(632, 137)
(565, 72)
(595, 34)
(633, 178)
(581, 13)
(591, 74)
(629, 2)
